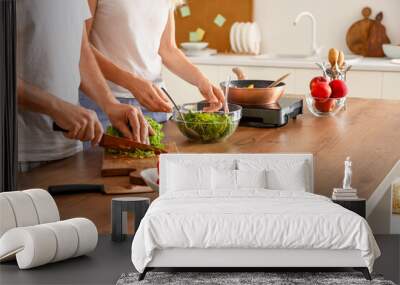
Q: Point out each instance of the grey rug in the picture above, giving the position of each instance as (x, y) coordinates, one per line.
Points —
(244, 278)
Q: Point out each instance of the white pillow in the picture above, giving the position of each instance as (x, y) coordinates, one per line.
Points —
(281, 174)
(224, 179)
(291, 179)
(184, 177)
(251, 178)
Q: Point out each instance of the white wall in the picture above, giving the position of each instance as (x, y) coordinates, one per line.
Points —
(334, 17)
(379, 205)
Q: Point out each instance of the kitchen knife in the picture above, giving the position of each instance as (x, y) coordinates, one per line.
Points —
(113, 142)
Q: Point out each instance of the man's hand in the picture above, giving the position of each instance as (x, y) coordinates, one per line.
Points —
(149, 96)
(129, 121)
(82, 124)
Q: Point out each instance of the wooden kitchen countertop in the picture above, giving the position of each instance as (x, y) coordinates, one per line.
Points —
(368, 131)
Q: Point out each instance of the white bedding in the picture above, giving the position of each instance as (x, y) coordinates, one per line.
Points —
(250, 218)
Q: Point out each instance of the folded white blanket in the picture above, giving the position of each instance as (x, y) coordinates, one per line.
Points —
(250, 219)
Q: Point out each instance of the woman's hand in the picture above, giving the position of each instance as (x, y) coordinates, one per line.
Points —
(212, 94)
(129, 121)
(149, 96)
(82, 124)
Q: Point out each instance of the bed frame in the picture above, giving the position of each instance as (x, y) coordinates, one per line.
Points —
(259, 259)
(244, 259)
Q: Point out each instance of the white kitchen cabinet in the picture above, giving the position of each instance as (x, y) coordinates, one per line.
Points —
(302, 79)
(391, 85)
(365, 84)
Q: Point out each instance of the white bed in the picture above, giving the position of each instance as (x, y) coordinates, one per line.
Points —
(219, 224)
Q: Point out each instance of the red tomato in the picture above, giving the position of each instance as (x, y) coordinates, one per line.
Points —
(325, 106)
(339, 88)
(317, 79)
(321, 90)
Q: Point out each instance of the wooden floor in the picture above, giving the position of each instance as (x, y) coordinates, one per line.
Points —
(368, 132)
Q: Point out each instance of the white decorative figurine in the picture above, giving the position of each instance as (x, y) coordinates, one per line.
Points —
(347, 174)
(346, 192)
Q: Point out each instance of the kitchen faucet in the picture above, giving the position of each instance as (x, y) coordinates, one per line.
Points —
(315, 49)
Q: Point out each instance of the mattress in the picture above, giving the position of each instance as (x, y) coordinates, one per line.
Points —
(250, 219)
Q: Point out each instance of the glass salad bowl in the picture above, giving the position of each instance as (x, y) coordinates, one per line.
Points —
(207, 127)
(325, 107)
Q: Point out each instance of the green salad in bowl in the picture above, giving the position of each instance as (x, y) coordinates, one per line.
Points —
(207, 127)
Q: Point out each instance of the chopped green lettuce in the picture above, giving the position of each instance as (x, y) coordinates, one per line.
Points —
(155, 141)
(210, 127)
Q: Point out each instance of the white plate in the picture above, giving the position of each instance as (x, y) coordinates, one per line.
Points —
(238, 41)
(244, 38)
(257, 38)
(194, 46)
(150, 176)
(252, 39)
(232, 37)
(204, 52)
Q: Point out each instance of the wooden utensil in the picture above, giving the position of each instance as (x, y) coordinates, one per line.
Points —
(279, 80)
(333, 57)
(341, 60)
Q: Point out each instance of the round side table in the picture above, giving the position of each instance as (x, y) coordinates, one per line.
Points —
(119, 208)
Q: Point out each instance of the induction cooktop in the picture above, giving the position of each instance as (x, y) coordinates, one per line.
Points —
(273, 115)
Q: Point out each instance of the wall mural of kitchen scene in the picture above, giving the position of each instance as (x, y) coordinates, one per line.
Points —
(164, 108)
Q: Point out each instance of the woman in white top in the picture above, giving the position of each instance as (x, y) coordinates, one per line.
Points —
(131, 40)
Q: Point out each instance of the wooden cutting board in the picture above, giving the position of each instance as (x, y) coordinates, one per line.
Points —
(377, 37)
(126, 189)
(115, 165)
(366, 37)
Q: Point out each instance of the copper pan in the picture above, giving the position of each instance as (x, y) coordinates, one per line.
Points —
(260, 95)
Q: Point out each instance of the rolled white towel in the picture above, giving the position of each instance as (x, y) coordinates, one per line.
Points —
(23, 208)
(87, 234)
(7, 218)
(33, 246)
(67, 240)
(45, 205)
(37, 245)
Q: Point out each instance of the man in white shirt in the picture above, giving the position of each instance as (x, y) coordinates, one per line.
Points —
(54, 59)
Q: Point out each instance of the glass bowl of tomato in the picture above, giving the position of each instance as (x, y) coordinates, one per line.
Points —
(324, 107)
